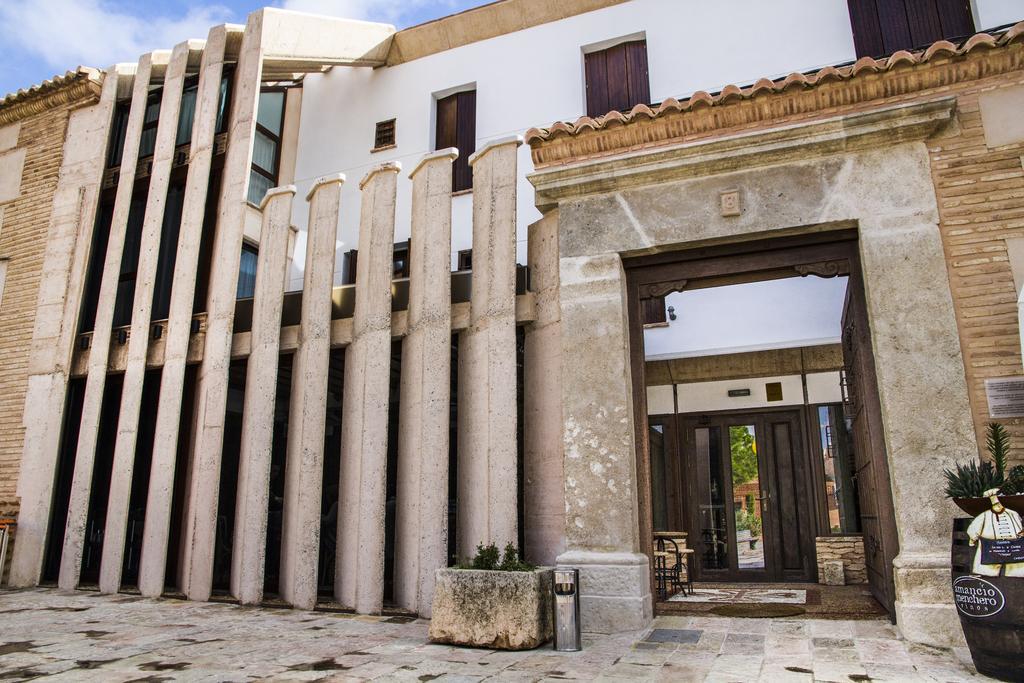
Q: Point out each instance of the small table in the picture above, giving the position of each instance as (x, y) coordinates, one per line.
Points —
(666, 576)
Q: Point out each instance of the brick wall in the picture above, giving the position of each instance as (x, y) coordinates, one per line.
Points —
(849, 549)
(980, 192)
(23, 235)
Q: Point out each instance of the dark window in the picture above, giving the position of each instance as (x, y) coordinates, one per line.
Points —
(247, 271)
(186, 114)
(399, 267)
(124, 301)
(117, 133)
(654, 310)
(617, 78)
(266, 145)
(147, 143)
(456, 127)
(400, 260)
(881, 27)
(384, 136)
(466, 259)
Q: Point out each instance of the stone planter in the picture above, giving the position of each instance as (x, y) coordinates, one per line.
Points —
(492, 609)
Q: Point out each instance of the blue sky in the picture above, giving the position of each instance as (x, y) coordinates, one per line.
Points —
(41, 38)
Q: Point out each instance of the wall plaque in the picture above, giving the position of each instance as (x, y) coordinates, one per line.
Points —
(1005, 396)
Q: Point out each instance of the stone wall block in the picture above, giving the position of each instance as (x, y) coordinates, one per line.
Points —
(307, 416)
(116, 526)
(156, 528)
(487, 451)
(200, 518)
(421, 521)
(69, 231)
(250, 540)
(359, 577)
(85, 455)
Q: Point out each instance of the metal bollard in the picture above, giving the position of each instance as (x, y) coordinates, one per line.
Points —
(567, 610)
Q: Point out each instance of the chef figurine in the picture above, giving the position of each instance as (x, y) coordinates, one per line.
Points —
(996, 524)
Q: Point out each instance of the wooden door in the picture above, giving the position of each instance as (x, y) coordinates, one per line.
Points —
(748, 499)
(871, 471)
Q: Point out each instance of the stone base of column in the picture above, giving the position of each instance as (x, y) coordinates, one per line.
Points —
(924, 601)
(615, 590)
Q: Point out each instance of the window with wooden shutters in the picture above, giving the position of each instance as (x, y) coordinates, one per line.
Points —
(456, 127)
(654, 311)
(384, 135)
(881, 27)
(617, 78)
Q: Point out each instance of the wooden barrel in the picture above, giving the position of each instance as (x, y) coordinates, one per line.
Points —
(991, 610)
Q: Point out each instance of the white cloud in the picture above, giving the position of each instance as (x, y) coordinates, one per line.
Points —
(399, 12)
(66, 33)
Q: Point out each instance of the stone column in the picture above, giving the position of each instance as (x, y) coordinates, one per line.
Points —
(142, 309)
(250, 542)
(85, 455)
(601, 529)
(62, 279)
(487, 359)
(212, 380)
(544, 485)
(421, 519)
(359, 570)
(300, 538)
(172, 379)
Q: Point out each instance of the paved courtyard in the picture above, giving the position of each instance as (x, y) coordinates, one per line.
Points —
(82, 636)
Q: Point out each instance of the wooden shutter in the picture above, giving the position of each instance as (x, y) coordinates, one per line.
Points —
(617, 78)
(456, 127)
(654, 310)
(881, 27)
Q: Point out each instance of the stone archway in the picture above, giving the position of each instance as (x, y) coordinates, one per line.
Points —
(868, 171)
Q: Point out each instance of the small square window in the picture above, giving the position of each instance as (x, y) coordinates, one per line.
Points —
(773, 391)
(466, 259)
(384, 136)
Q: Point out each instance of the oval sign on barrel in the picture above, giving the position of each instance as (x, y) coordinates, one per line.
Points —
(976, 597)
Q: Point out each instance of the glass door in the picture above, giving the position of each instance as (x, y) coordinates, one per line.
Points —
(725, 460)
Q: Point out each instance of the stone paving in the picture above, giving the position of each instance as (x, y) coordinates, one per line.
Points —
(82, 636)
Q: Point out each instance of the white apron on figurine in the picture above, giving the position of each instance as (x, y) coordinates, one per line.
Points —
(996, 524)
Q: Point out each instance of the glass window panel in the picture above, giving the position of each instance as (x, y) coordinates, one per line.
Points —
(746, 497)
(147, 142)
(186, 116)
(270, 111)
(264, 152)
(152, 111)
(714, 532)
(222, 104)
(258, 187)
(659, 502)
(247, 272)
(841, 499)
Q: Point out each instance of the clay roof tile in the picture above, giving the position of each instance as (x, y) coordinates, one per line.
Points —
(864, 65)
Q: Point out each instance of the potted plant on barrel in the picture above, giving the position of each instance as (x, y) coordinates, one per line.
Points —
(967, 484)
(988, 559)
(495, 602)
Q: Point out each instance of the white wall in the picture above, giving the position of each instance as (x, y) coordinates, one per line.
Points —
(750, 317)
(992, 13)
(535, 77)
(699, 397)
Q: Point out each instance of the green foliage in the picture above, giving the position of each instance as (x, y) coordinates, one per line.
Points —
(971, 480)
(998, 447)
(489, 558)
(486, 557)
(745, 519)
(511, 561)
(744, 455)
(1014, 484)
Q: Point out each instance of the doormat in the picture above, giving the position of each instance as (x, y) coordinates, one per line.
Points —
(673, 635)
(762, 611)
(750, 596)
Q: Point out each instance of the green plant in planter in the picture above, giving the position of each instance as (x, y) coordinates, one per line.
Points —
(973, 479)
(490, 559)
